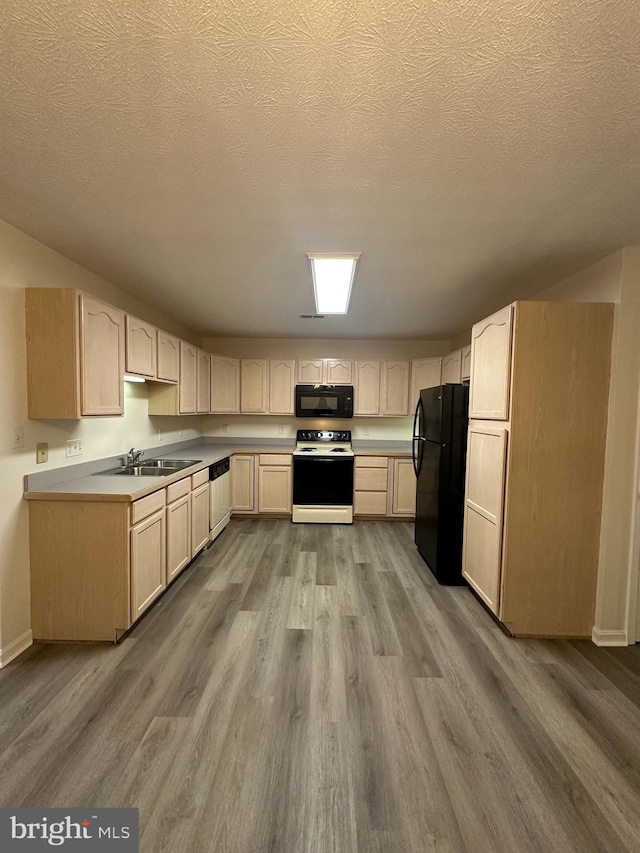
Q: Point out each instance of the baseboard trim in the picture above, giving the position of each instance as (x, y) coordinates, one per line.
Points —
(15, 648)
(602, 637)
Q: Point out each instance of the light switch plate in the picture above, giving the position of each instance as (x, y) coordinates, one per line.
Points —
(42, 452)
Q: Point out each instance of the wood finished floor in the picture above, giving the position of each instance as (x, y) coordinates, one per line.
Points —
(310, 688)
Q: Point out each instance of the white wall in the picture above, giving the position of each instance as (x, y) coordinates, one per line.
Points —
(26, 263)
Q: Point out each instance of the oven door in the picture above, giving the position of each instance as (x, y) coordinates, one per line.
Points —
(322, 481)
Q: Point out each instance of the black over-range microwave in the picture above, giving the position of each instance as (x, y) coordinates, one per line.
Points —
(324, 401)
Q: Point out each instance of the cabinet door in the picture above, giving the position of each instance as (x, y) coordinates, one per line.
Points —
(225, 384)
(178, 535)
(403, 488)
(274, 488)
(425, 373)
(168, 357)
(102, 357)
(452, 367)
(310, 371)
(338, 371)
(203, 402)
(148, 562)
(188, 368)
(140, 347)
(199, 518)
(466, 363)
(491, 367)
(281, 386)
(243, 483)
(395, 388)
(484, 503)
(253, 386)
(367, 388)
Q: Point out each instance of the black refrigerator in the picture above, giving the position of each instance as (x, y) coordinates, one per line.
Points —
(439, 457)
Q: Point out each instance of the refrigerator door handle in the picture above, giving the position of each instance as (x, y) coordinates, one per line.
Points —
(416, 446)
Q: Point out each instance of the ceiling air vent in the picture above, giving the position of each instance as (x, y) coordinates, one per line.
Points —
(311, 316)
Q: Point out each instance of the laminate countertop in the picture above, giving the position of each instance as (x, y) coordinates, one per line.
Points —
(110, 487)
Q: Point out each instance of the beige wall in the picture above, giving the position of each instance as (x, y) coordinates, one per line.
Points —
(27, 263)
(303, 348)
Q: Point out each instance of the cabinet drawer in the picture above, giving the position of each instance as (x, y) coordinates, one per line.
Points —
(199, 478)
(370, 503)
(178, 490)
(371, 479)
(371, 461)
(145, 506)
(275, 459)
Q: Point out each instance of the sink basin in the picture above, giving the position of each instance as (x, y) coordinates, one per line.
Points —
(139, 471)
(175, 464)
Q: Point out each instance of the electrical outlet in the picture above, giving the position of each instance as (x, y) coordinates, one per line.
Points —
(17, 438)
(281, 430)
(73, 448)
(225, 428)
(160, 435)
(365, 430)
(42, 452)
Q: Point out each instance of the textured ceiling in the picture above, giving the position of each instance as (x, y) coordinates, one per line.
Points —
(192, 151)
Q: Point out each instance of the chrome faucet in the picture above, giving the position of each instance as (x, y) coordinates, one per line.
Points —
(133, 457)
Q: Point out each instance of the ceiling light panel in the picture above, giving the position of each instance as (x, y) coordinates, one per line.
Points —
(332, 276)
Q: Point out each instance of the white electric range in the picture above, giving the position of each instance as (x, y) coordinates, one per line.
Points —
(323, 464)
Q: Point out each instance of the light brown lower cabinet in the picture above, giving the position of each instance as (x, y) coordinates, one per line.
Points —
(97, 566)
(274, 482)
(371, 481)
(403, 488)
(199, 518)
(148, 562)
(179, 548)
(243, 483)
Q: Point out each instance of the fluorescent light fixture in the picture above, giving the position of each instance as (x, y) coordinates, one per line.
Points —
(332, 276)
(129, 378)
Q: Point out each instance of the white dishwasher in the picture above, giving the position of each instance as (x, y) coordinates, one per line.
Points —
(219, 497)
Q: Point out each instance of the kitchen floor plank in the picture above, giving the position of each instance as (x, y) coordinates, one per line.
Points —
(312, 689)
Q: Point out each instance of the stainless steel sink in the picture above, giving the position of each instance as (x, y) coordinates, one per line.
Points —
(176, 464)
(151, 468)
(139, 471)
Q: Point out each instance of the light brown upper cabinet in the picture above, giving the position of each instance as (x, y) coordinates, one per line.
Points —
(425, 373)
(338, 371)
(188, 378)
(253, 385)
(75, 355)
(281, 385)
(141, 347)
(102, 330)
(491, 366)
(203, 382)
(452, 367)
(168, 357)
(225, 384)
(394, 391)
(325, 371)
(466, 363)
(367, 388)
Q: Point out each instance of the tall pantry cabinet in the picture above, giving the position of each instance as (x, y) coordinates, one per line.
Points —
(535, 458)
